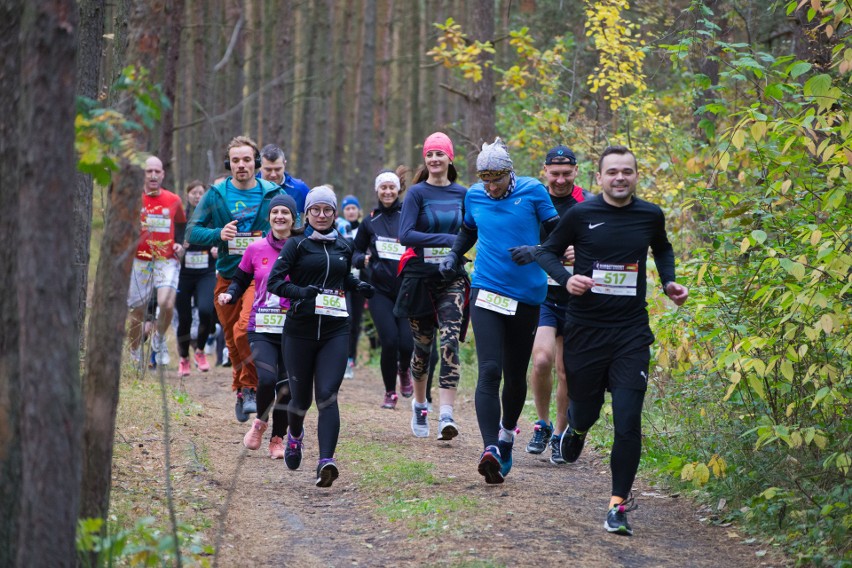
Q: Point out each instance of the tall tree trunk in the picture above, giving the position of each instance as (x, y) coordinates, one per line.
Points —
(324, 75)
(342, 101)
(173, 21)
(107, 320)
(10, 386)
(305, 156)
(481, 113)
(90, 44)
(364, 133)
(40, 527)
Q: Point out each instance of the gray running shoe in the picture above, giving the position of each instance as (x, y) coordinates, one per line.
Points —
(327, 472)
(616, 517)
(447, 428)
(162, 349)
(542, 431)
(555, 452)
(238, 408)
(249, 401)
(419, 422)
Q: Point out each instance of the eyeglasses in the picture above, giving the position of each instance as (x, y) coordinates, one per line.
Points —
(317, 211)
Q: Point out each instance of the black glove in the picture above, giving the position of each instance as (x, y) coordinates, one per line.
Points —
(310, 292)
(448, 267)
(366, 289)
(524, 254)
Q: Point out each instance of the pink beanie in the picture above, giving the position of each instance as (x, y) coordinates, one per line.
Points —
(439, 141)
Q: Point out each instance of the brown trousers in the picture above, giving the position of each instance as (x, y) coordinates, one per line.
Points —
(234, 320)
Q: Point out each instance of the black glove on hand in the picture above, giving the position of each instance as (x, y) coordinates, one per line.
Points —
(448, 266)
(309, 292)
(524, 254)
(366, 289)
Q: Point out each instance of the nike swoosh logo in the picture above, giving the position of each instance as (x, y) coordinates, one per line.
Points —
(595, 225)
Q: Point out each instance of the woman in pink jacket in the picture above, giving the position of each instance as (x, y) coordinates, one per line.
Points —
(265, 325)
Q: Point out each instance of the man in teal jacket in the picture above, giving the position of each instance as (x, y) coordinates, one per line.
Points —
(233, 214)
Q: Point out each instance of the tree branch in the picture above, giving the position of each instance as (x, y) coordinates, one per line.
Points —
(231, 44)
(456, 91)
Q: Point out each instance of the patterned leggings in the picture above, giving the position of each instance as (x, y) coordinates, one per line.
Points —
(448, 299)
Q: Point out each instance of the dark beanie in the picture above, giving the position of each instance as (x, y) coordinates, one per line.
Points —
(286, 201)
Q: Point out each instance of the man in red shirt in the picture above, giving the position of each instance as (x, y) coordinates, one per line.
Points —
(156, 265)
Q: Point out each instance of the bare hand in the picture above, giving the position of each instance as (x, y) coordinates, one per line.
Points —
(677, 293)
(224, 299)
(214, 252)
(229, 231)
(578, 285)
(569, 254)
(366, 261)
(178, 250)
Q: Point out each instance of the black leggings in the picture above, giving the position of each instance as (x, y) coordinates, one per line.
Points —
(316, 365)
(197, 286)
(355, 307)
(627, 441)
(395, 337)
(504, 346)
(272, 384)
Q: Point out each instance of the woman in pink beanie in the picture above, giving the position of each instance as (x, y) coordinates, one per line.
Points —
(431, 218)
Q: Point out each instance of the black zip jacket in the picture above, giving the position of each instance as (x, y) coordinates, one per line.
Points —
(382, 222)
(325, 264)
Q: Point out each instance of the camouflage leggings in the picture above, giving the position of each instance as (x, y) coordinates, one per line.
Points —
(448, 299)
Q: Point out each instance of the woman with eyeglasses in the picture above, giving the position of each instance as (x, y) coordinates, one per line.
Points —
(377, 247)
(502, 215)
(318, 264)
(431, 216)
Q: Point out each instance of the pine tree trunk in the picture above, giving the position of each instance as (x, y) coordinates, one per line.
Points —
(173, 29)
(481, 111)
(43, 523)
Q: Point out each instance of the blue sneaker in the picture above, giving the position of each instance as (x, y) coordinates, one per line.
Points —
(489, 465)
(542, 431)
(616, 517)
(505, 450)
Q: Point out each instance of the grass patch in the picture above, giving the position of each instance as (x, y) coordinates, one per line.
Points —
(426, 516)
(382, 466)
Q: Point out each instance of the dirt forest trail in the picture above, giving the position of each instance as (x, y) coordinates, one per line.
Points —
(402, 501)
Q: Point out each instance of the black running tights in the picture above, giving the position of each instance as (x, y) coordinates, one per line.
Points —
(627, 442)
(395, 337)
(272, 381)
(316, 366)
(503, 346)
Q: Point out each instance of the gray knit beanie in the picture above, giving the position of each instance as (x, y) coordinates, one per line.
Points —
(321, 195)
(494, 158)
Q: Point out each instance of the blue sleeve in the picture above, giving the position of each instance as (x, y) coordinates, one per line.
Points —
(543, 204)
(469, 221)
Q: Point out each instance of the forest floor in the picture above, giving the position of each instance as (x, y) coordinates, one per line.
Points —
(399, 500)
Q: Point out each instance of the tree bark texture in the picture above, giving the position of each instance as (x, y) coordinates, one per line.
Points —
(49, 388)
(90, 46)
(173, 22)
(10, 372)
(481, 112)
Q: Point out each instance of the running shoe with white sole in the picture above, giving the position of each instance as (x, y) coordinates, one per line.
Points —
(183, 367)
(390, 400)
(555, 453)
(616, 517)
(419, 420)
(201, 361)
(162, 349)
(327, 472)
(542, 431)
(254, 436)
(276, 447)
(447, 428)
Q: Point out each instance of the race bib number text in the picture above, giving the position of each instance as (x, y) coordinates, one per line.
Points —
(269, 320)
(496, 303)
(331, 303)
(197, 259)
(434, 255)
(389, 249)
(242, 241)
(615, 279)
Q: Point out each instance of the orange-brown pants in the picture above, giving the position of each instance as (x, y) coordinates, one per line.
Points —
(234, 320)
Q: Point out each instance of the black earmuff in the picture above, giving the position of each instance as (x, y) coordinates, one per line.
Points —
(256, 163)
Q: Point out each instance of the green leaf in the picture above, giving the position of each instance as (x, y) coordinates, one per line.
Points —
(817, 86)
(759, 236)
(799, 68)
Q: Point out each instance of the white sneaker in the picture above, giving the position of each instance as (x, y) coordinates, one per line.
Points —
(161, 348)
(349, 373)
(419, 420)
